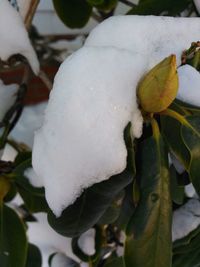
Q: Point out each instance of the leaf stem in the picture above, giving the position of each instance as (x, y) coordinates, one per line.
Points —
(175, 115)
(128, 3)
(155, 129)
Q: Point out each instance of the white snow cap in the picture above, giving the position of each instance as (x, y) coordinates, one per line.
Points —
(81, 141)
(94, 98)
(8, 94)
(14, 37)
(153, 36)
(189, 85)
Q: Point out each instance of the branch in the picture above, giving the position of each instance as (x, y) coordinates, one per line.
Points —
(128, 3)
(42, 75)
(31, 11)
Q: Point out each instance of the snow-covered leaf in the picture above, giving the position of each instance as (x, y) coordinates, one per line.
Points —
(89, 207)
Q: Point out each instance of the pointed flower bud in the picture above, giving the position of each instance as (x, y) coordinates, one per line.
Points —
(159, 87)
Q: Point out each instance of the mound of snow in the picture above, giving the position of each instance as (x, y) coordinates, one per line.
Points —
(81, 142)
(151, 36)
(8, 94)
(14, 37)
(189, 85)
(93, 99)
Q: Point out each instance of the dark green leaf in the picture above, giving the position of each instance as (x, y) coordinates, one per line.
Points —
(177, 191)
(191, 138)
(174, 140)
(149, 232)
(34, 258)
(118, 262)
(89, 207)
(103, 5)
(13, 241)
(156, 7)
(74, 13)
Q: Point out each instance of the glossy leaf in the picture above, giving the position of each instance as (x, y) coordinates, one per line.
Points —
(89, 207)
(103, 5)
(13, 241)
(73, 13)
(34, 257)
(191, 138)
(156, 7)
(171, 130)
(117, 262)
(149, 232)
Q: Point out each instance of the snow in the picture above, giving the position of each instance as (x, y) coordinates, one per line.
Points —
(9, 153)
(47, 240)
(14, 37)
(30, 121)
(151, 36)
(197, 4)
(94, 97)
(190, 191)
(34, 180)
(186, 219)
(60, 260)
(8, 95)
(92, 101)
(189, 85)
(87, 242)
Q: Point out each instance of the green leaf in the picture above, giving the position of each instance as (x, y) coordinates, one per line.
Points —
(186, 252)
(89, 207)
(148, 240)
(156, 7)
(103, 5)
(191, 138)
(34, 258)
(13, 241)
(33, 197)
(174, 140)
(73, 13)
(117, 262)
(177, 191)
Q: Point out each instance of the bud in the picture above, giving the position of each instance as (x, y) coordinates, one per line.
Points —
(159, 87)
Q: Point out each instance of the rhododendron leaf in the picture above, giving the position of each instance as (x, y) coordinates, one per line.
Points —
(148, 240)
(74, 13)
(13, 241)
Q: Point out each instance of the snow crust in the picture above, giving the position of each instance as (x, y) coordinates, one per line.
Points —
(155, 37)
(94, 97)
(7, 97)
(186, 219)
(14, 37)
(189, 85)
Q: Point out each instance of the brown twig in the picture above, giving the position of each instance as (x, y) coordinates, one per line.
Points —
(43, 76)
(31, 11)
